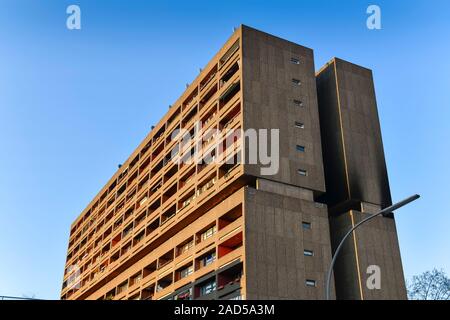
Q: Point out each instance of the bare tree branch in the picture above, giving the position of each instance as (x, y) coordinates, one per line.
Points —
(430, 285)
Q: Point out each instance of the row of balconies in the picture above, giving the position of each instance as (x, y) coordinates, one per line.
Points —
(165, 278)
(196, 190)
(206, 83)
(227, 121)
(228, 223)
(153, 221)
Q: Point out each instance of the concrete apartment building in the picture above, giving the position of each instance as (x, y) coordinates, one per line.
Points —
(164, 229)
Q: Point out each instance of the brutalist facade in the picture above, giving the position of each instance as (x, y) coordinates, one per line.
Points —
(164, 229)
(357, 182)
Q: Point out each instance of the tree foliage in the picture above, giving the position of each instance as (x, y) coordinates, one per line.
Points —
(430, 285)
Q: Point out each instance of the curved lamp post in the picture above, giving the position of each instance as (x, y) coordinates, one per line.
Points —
(382, 212)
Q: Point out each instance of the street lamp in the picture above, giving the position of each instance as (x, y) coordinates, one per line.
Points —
(382, 212)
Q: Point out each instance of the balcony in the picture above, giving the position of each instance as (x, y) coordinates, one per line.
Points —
(229, 93)
(168, 214)
(208, 78)
(190, 100)
(116, 240)
(121, 190)
(133, 162)
(140, 219)
(135, 279)
(184, 272)
(138, 238)
(206, 289)
(230, 245)
(169, 193)
(229, 74)
(149, 269)
(143, 182)
(230, 217)
(114, 257)
(164, 282)
(142, 201)
(145, 149)
(229, 281)
(165, 259)
(152, 227)
(127, 231)
(157, 168)
(206, 185)
(158, 135)
(184, 247)
(157, 151)
(171, 172)
(111, 294)
(186, 200)
(208, 119)
(173, 136)
(184, 295)
(208, 96)
(227, 120)
(206, 233)
(205, 259)
(229, 54)
(173, 117)
(125, 249)
(128, 213)
(122, 288)
(187, 120)
(148, 292)
(155, 205)
(186, 179)
(155, 187)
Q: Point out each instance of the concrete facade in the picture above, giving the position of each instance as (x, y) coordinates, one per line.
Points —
(357, 182)
(165, 229)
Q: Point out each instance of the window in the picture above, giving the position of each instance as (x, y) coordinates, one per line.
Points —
(185, 295)
(186, 272)
(136, 279)
(296, 81)
(298, 103)
(208, 287)
(310, 283)
(299, 125)
(306, 225)
(308, 253)
(208, 259)
(229, 53)
(302, 172)
(300, 148)
(208, 233)
(185, 247)
(295, 60)
(122, 287)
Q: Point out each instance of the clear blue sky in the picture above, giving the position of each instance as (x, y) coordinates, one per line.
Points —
(74, 104)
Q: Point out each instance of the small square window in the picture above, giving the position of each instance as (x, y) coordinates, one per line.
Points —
(300, 148)
(299, 125)
(295, 60)
(306, 225)
(302, 172)
(308, 253)
(298, 103)
(296, 81)
(310, 283)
